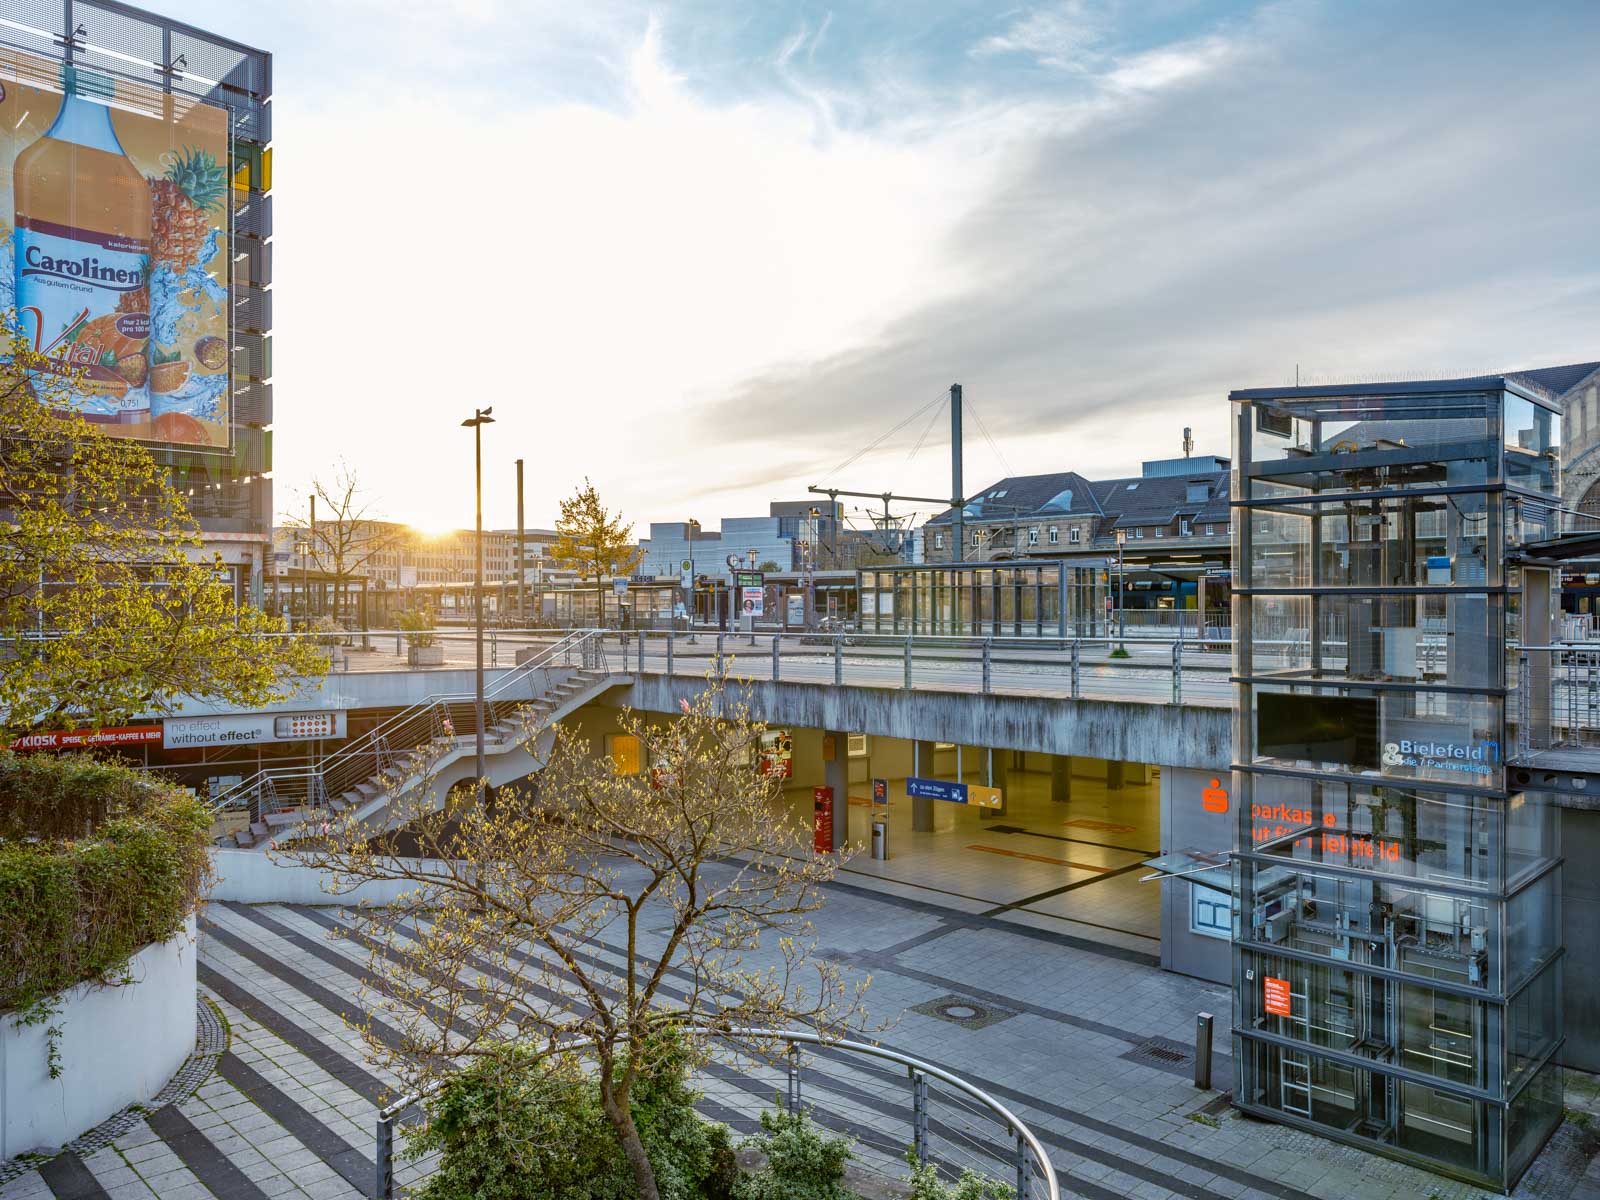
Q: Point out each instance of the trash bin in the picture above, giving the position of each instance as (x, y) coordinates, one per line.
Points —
(880, 840)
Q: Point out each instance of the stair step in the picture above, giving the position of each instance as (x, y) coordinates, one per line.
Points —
(338, 804)
(243, 840)
(258, 828)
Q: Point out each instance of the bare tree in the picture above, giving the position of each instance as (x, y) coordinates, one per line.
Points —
(690, 860)
(347, 537)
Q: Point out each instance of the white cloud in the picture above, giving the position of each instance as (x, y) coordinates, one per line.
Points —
(1066, 35)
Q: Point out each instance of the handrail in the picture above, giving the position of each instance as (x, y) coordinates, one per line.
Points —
(376, 743)
(914, 1066)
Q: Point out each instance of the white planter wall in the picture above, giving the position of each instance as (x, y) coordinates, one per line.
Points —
(250, 877)
(118, 1046)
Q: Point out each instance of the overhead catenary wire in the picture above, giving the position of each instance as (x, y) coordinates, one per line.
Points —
(984, 429)
(882, 438)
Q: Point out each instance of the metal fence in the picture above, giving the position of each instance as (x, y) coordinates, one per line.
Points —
(885, 1101)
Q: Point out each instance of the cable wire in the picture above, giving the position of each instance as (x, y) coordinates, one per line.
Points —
(876, 442)
(984, 429)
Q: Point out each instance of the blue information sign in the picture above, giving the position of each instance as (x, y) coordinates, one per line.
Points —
(936, 789)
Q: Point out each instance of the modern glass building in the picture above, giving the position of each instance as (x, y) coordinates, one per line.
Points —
(1047, 598)
(1397, 930)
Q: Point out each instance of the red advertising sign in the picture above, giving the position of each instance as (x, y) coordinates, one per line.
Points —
(84, 739)
(822, 819)
(1277, 996)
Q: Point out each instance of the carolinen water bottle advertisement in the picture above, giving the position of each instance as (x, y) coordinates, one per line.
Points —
(114, 260)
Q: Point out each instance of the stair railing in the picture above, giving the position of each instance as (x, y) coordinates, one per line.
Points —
(431, 718)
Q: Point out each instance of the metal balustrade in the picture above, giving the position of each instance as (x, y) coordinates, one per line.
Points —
(388, 749)
(885, 1101)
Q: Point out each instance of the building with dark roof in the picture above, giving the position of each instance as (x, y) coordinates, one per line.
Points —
(1170, 523)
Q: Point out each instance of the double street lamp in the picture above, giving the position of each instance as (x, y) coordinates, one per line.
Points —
(480, 417)
(1122, 537)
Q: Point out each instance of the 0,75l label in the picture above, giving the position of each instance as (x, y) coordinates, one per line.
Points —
(83, 301)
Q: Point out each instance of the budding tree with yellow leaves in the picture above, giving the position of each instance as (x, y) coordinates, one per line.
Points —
(692, 871)
(108, 605)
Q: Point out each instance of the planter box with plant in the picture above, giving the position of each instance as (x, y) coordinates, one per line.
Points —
(101, 868)
(422, 642)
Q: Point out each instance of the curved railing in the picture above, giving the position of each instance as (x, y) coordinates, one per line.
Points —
(888, 1102)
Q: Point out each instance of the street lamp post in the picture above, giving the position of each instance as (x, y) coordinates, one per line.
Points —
(691, 527)
(480, 417)
(1122, 537)
(303, 549)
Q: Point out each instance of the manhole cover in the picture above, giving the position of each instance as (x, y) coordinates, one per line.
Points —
(963, 1011)
(1162, 1053)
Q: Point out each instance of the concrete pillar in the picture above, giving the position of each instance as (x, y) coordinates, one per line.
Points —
(836, 775)
(1061, 778)
(1114, 775)
(1000, 778)
(922, 808)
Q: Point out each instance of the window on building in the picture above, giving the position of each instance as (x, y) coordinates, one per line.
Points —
(1183, 528)
(1210, 529)
(1074, 534)
(1138, 531)
(1210, 911)
(1055, 535)
(1033, 536)
(977, 538)
(938, 541)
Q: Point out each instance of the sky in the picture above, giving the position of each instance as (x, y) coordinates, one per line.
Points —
(703, 253)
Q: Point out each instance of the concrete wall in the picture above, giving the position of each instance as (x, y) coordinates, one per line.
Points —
(1186, 825)
(1163, 734)
(250, 877)
(118, 1046)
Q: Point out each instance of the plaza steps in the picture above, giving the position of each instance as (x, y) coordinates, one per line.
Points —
(516, 745)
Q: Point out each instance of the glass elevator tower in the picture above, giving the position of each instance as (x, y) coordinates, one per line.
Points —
(1397, 930)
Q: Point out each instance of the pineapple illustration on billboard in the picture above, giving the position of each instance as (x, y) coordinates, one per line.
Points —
(118, 267)
(186, 207)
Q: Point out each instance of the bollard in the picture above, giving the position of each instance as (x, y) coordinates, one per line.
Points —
(669, 651)
(775, 638)
(383, 1182)
(1202, 1050)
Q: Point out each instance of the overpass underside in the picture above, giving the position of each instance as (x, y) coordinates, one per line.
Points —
(1088, 790)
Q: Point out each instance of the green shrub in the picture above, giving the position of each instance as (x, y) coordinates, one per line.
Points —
(513, 1125)
(926, 1184)
(802, 1163)
(96, 862)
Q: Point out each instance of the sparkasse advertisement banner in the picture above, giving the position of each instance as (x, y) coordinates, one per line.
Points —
(114, 250)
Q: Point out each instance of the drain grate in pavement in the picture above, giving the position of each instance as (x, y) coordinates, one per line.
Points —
(1162, 1053)
(963, 1011)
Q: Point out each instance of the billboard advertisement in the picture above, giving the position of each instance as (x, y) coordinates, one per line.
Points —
(114, 256)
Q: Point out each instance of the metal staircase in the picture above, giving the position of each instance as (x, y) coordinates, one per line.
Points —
(437, 732)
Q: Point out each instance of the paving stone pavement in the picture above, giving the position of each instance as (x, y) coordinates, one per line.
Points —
(288, 1106)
